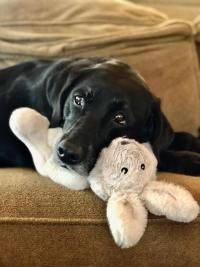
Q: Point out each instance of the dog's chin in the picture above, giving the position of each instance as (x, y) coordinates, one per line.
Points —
(79, 169)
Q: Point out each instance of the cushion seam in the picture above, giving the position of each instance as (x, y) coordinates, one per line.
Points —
(82, 221)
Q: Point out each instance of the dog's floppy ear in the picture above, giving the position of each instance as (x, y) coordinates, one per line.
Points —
(162, 133)
(58, 84)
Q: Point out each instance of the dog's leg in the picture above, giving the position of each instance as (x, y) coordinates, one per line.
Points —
(17, 161)
(5, 163)
(184, 162)
(185, 141)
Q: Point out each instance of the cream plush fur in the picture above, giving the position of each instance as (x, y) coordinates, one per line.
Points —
(33, 130)
(124, 175)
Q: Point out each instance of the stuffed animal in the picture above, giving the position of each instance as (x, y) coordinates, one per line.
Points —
(125, 176)
(33, 130)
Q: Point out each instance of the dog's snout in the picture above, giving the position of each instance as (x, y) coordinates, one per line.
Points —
(69, 153)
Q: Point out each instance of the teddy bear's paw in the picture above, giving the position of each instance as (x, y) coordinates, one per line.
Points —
(125, 236)
(170, 200)
(127, 220)
(96, 184)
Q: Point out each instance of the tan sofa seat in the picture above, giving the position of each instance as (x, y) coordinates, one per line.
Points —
(43, 224)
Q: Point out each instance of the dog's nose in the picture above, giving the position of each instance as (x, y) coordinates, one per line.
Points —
(69, 153)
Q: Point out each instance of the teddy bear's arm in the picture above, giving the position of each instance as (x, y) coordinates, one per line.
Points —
(127, 219)
(32, 129)
(95, 180)
(172, 201)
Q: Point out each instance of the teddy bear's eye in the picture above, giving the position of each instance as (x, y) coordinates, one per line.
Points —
(142, 166)
(124, 170)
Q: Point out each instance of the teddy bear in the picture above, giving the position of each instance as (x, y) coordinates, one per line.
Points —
(124, 176)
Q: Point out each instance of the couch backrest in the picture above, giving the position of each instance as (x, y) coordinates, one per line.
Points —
(161, 49)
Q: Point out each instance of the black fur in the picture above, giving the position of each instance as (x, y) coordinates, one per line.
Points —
(50, 88)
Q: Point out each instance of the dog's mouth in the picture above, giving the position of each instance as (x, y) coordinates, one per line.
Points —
(79, 169)
(82, 169)
(64, 166)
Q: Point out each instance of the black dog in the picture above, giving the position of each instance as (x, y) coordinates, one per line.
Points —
(94, 100)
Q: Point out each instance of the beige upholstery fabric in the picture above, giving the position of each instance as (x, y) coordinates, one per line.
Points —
(182, 9)
(197, 28)
(43, 224)
(38, 199)
(196, 24)
(75, 27)
(172, 72)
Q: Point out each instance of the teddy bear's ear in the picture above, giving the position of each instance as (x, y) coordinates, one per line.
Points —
(152, 158)
(172, 201)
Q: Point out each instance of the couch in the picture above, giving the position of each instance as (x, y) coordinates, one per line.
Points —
(44, 224)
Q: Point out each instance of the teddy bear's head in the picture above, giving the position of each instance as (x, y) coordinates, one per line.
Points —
(124, 165)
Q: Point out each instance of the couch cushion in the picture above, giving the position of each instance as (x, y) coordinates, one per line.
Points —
(44, 224)
(161, 49)
(67, 28)
(196, 23)
(182, 9)
(38, 198)
(172, 72)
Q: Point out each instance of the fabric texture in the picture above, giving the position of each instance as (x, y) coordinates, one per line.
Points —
(182, 9)
(67, 28)
(43, 224)
(196, 23)
(197, 28)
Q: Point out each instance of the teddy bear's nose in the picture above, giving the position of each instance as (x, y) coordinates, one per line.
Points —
(69, 153)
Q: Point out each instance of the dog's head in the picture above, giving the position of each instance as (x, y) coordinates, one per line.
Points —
(96, 100)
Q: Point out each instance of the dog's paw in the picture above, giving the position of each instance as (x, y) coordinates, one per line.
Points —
(127, 220)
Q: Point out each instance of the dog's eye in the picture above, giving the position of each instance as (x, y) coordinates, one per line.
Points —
(79, 100)
(120, 119)
(142, 166)
(124, 170)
